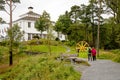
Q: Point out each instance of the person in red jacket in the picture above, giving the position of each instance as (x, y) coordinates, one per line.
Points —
(93, 51)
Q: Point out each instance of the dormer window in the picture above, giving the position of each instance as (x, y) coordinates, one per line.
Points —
(29, 24)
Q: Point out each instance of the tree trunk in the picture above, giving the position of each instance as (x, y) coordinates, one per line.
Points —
(98, 30)
(11, 40)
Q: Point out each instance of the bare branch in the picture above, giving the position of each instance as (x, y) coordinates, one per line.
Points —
(14, 7)
(7, 2)
(7, 12)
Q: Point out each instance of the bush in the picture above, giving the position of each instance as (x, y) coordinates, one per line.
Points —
(36, 37)
(34, 42)
(57, 39)
(70, 43)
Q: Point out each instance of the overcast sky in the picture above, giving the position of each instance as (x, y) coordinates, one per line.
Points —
(53, 7)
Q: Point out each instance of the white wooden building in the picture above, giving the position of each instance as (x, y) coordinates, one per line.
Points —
(3, 28)
(27, 24)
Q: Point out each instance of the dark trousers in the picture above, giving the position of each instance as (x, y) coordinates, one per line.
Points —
(94, 58)
(89, 57)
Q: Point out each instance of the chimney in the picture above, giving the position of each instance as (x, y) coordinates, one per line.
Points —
(30, 9)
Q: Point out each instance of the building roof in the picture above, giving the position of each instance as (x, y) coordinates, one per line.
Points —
(30, 13)
(27, 18)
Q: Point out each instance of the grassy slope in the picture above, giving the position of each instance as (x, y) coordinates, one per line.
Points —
(113, 55)
(44, 48)
(39, 66)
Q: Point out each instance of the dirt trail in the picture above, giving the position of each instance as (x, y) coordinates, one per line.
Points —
(101, 70)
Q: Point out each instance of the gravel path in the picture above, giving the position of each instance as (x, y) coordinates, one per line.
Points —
(102, 70)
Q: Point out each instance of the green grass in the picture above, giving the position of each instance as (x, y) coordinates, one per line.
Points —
(3, 54)
(113, 55)
(117, 53)
(106, 55)
(41, 67)
(44, 48)
(83, 54)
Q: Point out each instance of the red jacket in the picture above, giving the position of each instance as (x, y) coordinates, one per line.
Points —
(93, 51)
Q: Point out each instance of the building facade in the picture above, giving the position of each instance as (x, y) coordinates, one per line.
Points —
(27, 24)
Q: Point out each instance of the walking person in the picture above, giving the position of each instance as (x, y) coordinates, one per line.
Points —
(89, 54)
(93, 51)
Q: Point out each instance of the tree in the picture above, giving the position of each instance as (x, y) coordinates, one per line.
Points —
(111, 32)
(10, 3)
(16, 34)
(40, 24)
(85, 18)
(74, 13)
(46, 17)
(57, 27)
(76, 32)
(114, 9)
(63, 23)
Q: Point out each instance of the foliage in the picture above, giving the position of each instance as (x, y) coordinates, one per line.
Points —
(111, 38)
(3, 2)
(1, 20)
(114, 9)
(41, 23)
(74, 13)
(70, 43)
(76, 32)
(41, 67)
(57, 39)
(63, 23)
(16, 34)
(81, 23)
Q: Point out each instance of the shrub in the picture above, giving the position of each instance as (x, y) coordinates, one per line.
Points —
(57, 39)
(70, 43)
(31, 42)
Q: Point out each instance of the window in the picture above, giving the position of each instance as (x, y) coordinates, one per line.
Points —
(29, 36)
(29, 24)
